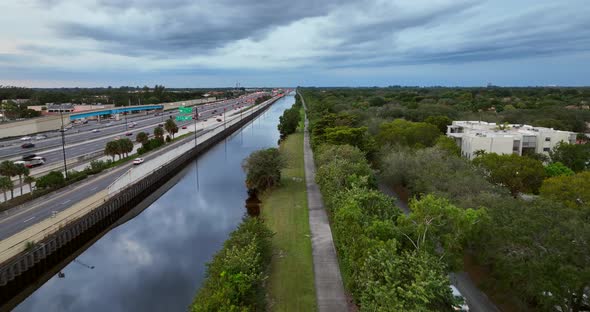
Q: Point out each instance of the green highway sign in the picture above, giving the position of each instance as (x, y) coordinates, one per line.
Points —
(183, 118)
(185, 110)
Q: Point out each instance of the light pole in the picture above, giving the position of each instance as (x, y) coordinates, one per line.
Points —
(63, 141)
(196, 118)
(224, 121)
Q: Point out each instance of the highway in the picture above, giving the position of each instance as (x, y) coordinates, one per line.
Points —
(18, 219)
(80, 140)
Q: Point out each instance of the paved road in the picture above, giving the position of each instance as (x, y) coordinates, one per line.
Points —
(329, 288)
(18, 219)
(85, 142)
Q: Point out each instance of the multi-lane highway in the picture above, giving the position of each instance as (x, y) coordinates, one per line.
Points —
(13, 221)
(81, 140)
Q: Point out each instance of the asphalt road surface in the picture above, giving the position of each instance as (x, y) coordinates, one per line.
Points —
(80, 140)
(16, 220)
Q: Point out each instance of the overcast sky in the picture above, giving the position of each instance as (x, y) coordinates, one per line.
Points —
(198, 43)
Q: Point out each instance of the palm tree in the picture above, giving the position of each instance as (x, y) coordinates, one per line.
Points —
(125, 146)
(111, 149)
(21, 170)
(171, 127)
(30, 180)
(142, 138)
(158, 133)
(8, 169)
(5, 185)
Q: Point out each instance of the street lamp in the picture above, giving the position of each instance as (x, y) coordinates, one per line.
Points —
(196, 118)
(63, 141)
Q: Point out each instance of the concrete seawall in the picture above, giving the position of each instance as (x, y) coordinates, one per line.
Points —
(23, 273)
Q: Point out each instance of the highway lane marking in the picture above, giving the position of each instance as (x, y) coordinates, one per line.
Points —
(67, 201)
(94, 188)
(29, 219)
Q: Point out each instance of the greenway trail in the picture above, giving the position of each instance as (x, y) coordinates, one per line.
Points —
(156, 261)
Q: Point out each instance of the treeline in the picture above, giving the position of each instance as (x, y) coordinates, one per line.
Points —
(560, 108)
(465, 207)
(119, 96)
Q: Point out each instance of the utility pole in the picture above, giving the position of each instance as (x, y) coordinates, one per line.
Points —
(63, 141)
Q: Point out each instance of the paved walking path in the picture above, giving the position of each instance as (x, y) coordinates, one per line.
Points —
(328, 282)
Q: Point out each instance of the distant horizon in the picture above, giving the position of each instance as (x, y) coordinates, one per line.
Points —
(312, 86)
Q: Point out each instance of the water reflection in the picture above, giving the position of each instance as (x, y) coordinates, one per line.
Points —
(156, 261)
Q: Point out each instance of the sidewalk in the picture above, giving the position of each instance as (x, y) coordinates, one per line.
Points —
(328, 281)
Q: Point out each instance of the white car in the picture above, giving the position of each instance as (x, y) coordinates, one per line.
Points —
(461, 304)
(95, 130)
(137, 161)
(25, 138)
(40, 137)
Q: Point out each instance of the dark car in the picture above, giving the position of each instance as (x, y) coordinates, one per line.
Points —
(183, 127)
(28, 145)
(129, 133)
(160, 125)
(219, 119)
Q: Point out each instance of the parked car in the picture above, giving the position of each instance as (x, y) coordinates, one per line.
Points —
(28, 145)
(40, 137)
(129, 133)
(183, 127)
(95, 130)
(461, 302)
(25, 138)
(137, 161)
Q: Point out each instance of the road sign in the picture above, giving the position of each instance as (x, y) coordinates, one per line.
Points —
(185, 110)
(183, 118)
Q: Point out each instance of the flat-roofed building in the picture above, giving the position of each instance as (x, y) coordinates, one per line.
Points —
(473, 136)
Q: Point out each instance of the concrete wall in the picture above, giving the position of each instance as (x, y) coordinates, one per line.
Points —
(35, 260)
(34, 125)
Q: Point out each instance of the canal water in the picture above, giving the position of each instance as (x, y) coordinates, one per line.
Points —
(156, 261)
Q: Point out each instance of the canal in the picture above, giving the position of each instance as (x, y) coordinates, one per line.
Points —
(156, 261)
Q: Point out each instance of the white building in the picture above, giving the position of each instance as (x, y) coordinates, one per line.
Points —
(472, 136)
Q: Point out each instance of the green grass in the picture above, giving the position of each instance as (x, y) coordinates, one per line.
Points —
(291, 282)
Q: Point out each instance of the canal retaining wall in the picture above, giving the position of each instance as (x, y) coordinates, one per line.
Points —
(19, 272)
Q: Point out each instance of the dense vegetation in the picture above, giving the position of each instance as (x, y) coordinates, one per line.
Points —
(290, 119)
(536, 250)
(110, 95)
(235, 276)
(263, 169)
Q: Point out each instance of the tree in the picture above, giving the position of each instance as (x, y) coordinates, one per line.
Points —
(142, 138)
(171, 127)
(8, 169)
(125, 146)
(558, 169)
(441, 122)
(572, 190)
(30, 180)
(517, 173)
(357, 137)
(289, 121)
(413, 134)
(53, 179)
(435, 222)
(404, 281)
(573, 156)
(159, 133)
(263, 169)
(448, 145)
(5, 185)
(112, 149)
(21, 170)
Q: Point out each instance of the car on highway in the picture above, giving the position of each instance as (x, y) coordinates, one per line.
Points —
(219, 119)
(63, 130)
(129, 133)
(132, 125)
(160, 125)
(460, 303)
(40, 137)
(28, 145)
(25, 138)
(137, 161)
(183, 127)
(95, 130)
(31, 162)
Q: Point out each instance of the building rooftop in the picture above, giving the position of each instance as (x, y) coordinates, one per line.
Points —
(491, 129)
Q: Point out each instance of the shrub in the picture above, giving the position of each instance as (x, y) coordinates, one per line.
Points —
(235, 276)
(53, 179)
(263, 169)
